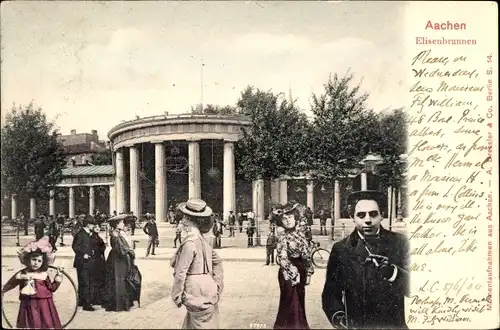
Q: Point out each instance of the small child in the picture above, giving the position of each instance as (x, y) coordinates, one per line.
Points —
(37, 309)
(271, 244)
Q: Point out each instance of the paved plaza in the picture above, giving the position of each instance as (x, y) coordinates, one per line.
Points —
(250, 298)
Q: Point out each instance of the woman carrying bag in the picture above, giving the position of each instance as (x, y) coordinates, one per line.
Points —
(120, 295)
(198, 273)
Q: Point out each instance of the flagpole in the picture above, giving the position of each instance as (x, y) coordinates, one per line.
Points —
(202, 65)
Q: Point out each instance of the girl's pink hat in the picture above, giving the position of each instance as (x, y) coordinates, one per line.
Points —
(43, 245)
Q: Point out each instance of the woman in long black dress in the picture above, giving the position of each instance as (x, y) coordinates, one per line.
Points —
(118, 266)
(294, 258)
(97, 286)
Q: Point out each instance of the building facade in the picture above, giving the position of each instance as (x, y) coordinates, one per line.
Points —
(81, 148)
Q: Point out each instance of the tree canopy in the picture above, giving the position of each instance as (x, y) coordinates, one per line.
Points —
(391, 144)
(274, 144)
(32, 157)
(339, 129)
(344, 131)
(103, 158)
(211, 109)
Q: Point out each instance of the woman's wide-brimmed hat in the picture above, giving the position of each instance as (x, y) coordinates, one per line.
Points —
(287, 208)
(120, 217)
(195, 207)
(43, 245)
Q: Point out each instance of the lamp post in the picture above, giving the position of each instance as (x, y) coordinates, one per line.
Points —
(370, 162)
(18, 222)
(402, 160)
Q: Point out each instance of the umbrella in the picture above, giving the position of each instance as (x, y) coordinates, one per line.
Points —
(134, 280)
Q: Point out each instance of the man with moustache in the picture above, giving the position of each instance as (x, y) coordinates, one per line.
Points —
(84, 261)
(367, 273)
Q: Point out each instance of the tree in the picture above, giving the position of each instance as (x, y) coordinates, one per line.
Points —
(390, 141)
(274, 144)
(32, 157)
(103, 158)
(210, 109)
(338, 136)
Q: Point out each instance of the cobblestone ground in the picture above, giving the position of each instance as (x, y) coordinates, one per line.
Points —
(250, 298)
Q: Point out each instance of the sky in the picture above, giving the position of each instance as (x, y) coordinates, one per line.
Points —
(92, 65)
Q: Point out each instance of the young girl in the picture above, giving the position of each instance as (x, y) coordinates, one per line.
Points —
(37, 309)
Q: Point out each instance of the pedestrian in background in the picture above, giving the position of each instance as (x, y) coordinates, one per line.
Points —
(132, 223)
(322, 222)
(151, 230)
(271, 244)
(217, 231)
(232, 222)
(53, 232)
(39, 228)
(240, 221)
(250, 232)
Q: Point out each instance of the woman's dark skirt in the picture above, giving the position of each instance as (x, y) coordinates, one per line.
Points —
(292, 307)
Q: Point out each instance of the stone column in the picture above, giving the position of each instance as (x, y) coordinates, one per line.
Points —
(52, 203)
(389, 202)
(259, 199)
(160, 183)
(135, 183)
(400, 206)
(91, 200)
(194, 169)
(275, 191)
(310, 194)
(364, 181)
(337, 200)
(32, 208)
(229, 189)
(394, 201)
(120, 182)
(283, 191)
(112, 199)
(71, 199)
(13, 207)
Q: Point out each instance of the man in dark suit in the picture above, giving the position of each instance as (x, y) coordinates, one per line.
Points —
(367, 273)
(151, 230)
(232, 222)
(132, 223)
(84, 256)
(39, 228)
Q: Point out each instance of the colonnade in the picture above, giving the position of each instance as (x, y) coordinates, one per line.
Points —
(279, 192)
(194, 180)
(71, 202)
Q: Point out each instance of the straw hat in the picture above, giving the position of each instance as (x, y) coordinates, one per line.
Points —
(195, 207)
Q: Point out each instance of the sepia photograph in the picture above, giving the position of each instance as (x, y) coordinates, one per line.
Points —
(204, 165)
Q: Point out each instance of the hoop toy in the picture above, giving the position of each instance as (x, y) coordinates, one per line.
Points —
(76, 293)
